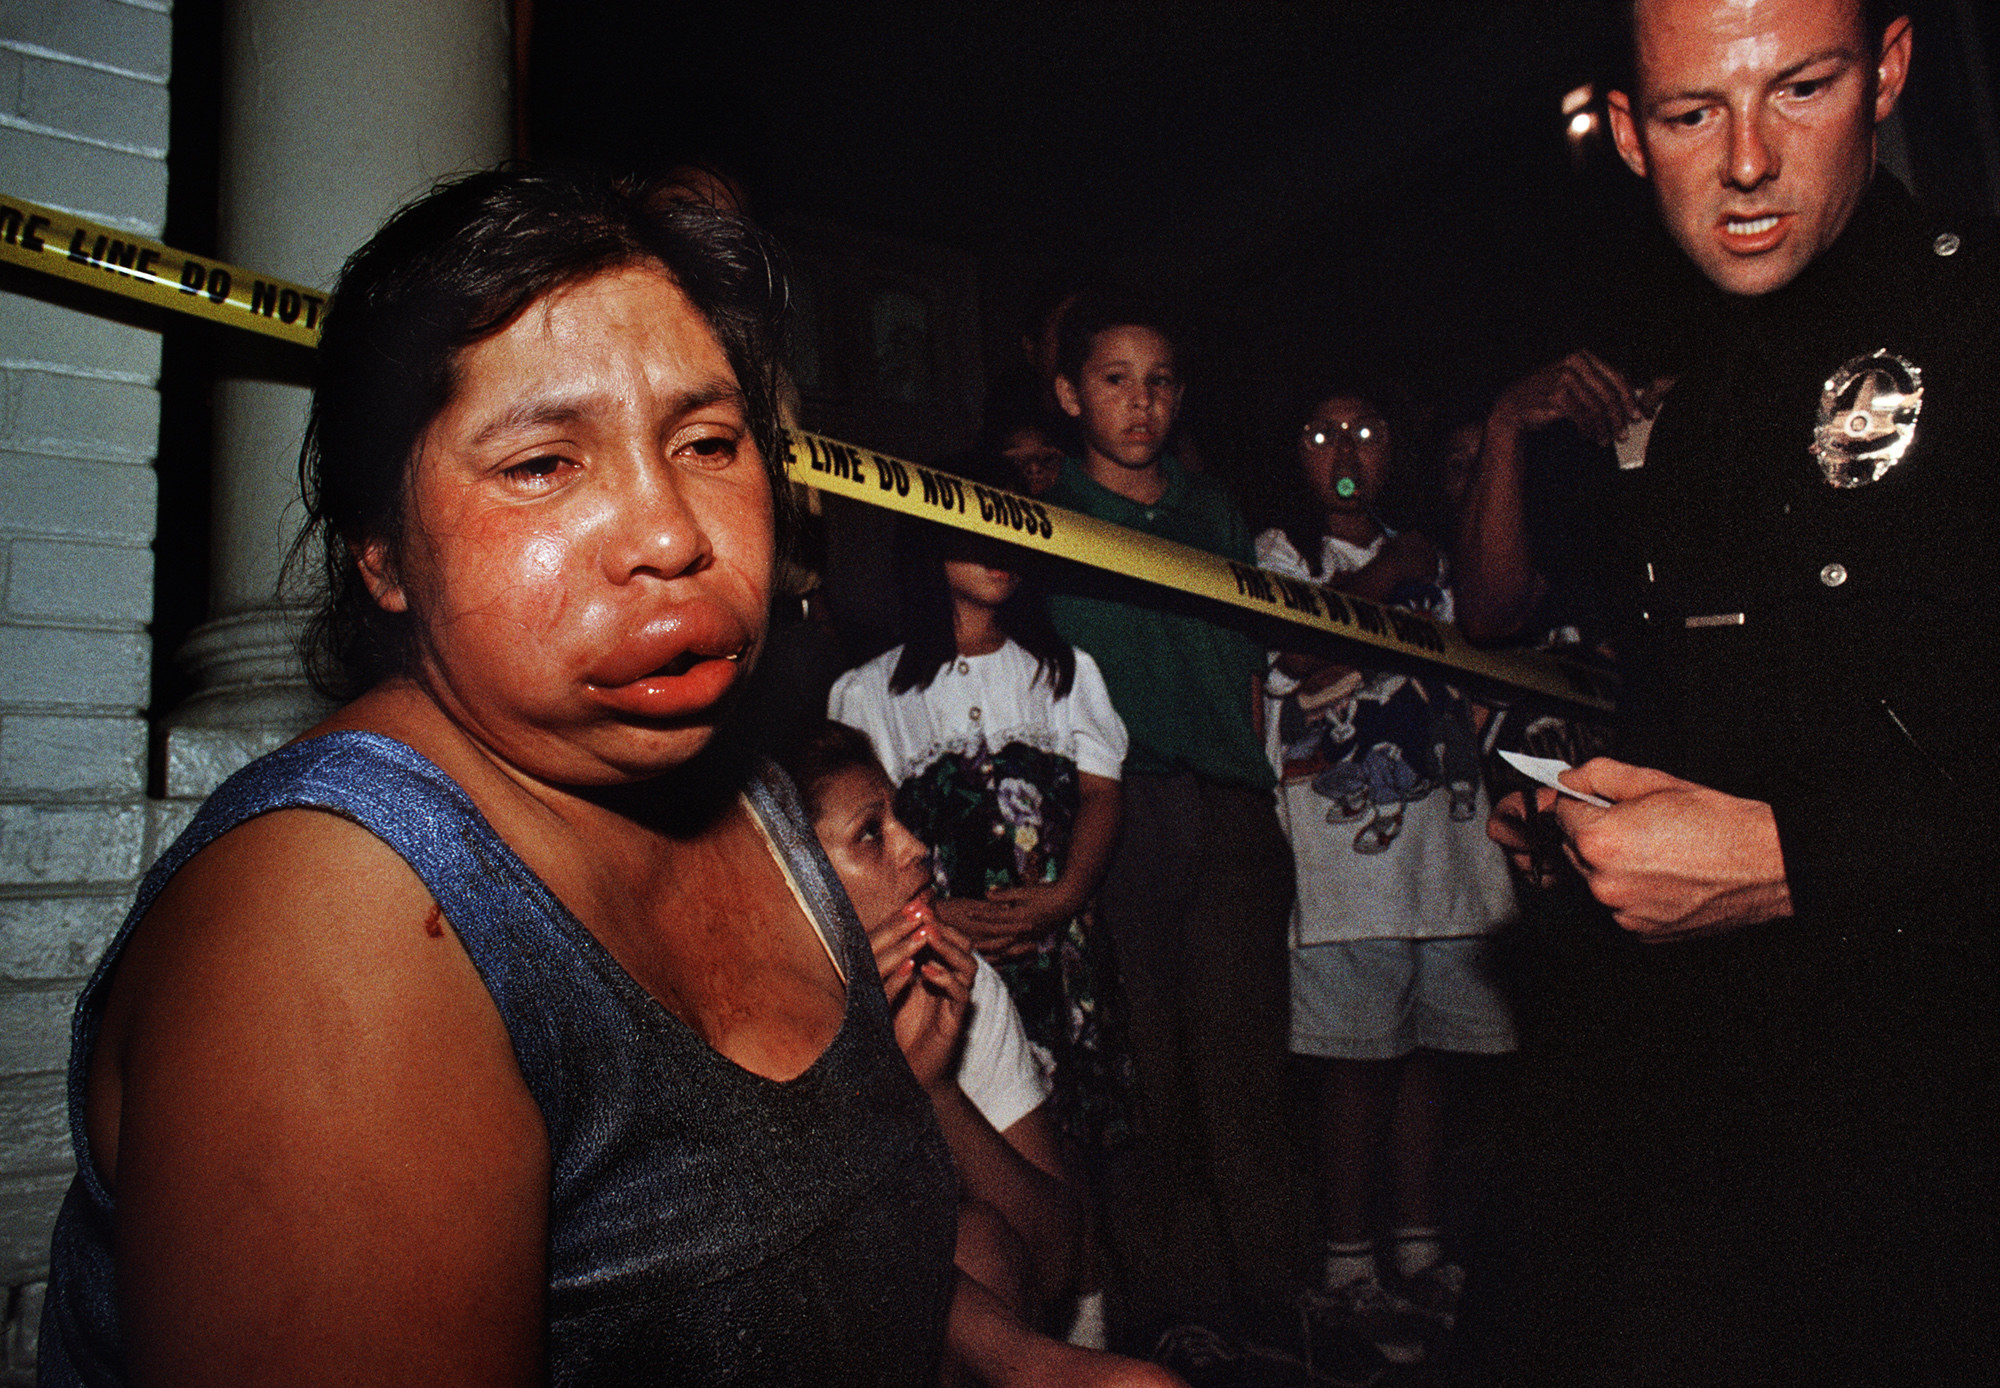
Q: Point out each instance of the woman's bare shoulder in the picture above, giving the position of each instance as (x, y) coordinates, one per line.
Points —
(309, 1111)
(298, 898)
(298, 937)
(293, 957)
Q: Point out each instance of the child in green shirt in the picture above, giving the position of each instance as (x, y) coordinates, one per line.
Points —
(1204, 1221)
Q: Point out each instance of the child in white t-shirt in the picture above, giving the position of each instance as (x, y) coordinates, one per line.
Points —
(1398, 885)
(1005, 751)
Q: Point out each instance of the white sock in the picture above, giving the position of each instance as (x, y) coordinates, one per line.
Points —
(1087, 1330)
(1349, 1262)
(1417, 1251)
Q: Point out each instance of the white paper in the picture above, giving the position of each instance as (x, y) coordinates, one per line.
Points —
(1631, 449)
(1544, 769)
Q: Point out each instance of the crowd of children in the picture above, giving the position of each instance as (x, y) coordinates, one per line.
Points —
(1168, 876)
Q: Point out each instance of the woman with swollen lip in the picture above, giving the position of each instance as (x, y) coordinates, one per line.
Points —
(508, 1027)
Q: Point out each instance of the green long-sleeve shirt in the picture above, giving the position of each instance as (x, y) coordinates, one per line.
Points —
(1182, 683)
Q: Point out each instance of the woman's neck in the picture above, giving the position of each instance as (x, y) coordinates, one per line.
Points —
(975, 628)
(527, 808)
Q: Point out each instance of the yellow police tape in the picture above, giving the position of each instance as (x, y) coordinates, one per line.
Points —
(58, 243)
(842, 469)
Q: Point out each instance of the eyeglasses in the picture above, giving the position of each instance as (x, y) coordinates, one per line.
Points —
(1362, 431)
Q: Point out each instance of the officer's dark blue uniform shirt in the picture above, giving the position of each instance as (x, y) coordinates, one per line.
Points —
(1830, 649)
(1764, 1156)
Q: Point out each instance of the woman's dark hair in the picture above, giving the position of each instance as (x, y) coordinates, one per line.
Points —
(456, 267)
(1298, 512)
(1096, 313)
(921, 551)
(821, 751)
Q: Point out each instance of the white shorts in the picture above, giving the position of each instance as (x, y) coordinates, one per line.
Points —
(1382, 999)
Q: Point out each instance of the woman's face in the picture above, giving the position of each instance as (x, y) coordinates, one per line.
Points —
(881, 863)
(589, 538)
(1344, 453)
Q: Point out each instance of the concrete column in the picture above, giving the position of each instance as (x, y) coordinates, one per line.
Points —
(334, 116)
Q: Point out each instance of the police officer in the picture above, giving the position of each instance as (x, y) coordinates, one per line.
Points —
(1761, 1154)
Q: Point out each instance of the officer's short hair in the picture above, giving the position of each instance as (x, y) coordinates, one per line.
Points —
(1622, 24)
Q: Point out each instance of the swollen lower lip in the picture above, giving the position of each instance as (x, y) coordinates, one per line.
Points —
(665, 696)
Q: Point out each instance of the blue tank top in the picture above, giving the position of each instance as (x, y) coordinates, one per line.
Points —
(705, 1224)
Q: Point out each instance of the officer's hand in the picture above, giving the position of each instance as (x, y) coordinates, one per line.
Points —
(1520, 823)
(1580, 388)
(1671, 858)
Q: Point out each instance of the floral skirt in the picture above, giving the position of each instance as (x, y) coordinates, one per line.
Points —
(1067, 993)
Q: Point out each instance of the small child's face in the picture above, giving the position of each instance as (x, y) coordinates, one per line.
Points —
(979, 584)
(1035, 459)
(1344, 453)
(1127, 399)
(881, 863)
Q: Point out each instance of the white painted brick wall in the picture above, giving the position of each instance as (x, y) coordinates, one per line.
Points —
(47, 94)
(34, 1042)
(83, 126)
(53, 940)
(76, 497)
(28, 1203)
(35, 334)
(48, 666)
(59, 845)
(64, 755)
(75, 415)
(80, 177)
(131, 38)
(97, 585)
(32, 1110)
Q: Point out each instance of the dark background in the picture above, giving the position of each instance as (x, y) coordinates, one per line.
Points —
(1389, 180)
(1379, 179)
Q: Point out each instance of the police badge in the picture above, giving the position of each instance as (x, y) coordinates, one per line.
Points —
(1867, 418)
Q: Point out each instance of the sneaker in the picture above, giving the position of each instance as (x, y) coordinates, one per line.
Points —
(1207, 1359)
(1394, 1326)
(1434, 1292)
(1338, 1352)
